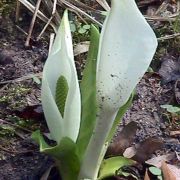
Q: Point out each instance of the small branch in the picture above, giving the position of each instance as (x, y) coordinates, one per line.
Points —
(167, 18)
(52, 35)
(18, 4)
(71, 6)
(32, 23)
(28, 5)
(49, 21)
(29, 76)
(14, 125)
(20, 29)
(104, 4)
(168, 37)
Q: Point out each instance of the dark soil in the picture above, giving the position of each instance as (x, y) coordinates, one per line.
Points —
(19, 155)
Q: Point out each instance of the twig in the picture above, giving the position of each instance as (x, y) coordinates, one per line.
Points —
(167, 18)
(161, 8)
(14, 152)
(20, 29)
(104, 4)
(52, 35)
(16, 126)
(3, 88)
(169, 37)
(7, 150)
(71, 6)
(49, 21)
(48, 4)
(29, 76)
(32, 23)
(39, 14)
(18, 4)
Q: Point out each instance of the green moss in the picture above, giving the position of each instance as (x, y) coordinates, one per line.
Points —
(6, 7)
(14, 96)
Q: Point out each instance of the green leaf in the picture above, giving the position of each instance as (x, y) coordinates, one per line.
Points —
(65, 155)
(36, 136)
(61, 93)
(160, 177)
(155, 171)
(110, 166)
(72, 26)
(170, 108)
(88, 94)
(120, 114)
(86, 26)
(81, 30)
(36, 80)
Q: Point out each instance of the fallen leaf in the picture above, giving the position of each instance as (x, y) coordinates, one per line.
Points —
(147, 148)
(129, 152)
(146, 177)
(174, 170)
(177, 91)
(123, 140)
(6, 57)
(81, 47)
(167, 172)
(104, 4)
(47, 173)
(155, 171)
(170, 69)
(174, 133)
(157, 161)
(30, 112)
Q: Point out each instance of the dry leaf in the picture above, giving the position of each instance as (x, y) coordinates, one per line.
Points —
(46, 173)
(81, 47)
(174, 133)
(170, 69)
(129, 152)
(104, 4)
(175, 171)
(147, 148)
(167, 172)
(177, 90)
(123, 140)
(146, 177)
(157, 161)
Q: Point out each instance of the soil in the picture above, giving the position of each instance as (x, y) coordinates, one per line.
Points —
(19, 154)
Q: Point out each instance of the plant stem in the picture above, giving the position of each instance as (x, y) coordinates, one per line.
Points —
(97, 147)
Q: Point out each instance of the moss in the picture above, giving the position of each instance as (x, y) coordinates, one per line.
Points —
(14, 96)
(6, 7)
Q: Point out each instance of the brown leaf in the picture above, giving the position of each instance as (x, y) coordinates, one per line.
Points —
(157, 161)
(30, 112)
(174, 133)
(177, 91)
(147, 148)
(123, 140)
(170, 69)
(146, 177)
(175, 171)
(129, 152)
(167, 173)
(81, 47)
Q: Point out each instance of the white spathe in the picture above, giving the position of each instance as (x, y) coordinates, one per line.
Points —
(127, 46)
(61, 63)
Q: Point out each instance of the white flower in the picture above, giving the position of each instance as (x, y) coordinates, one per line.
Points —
(61, 63)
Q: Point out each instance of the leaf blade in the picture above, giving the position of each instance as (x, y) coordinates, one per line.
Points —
(88, 93)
